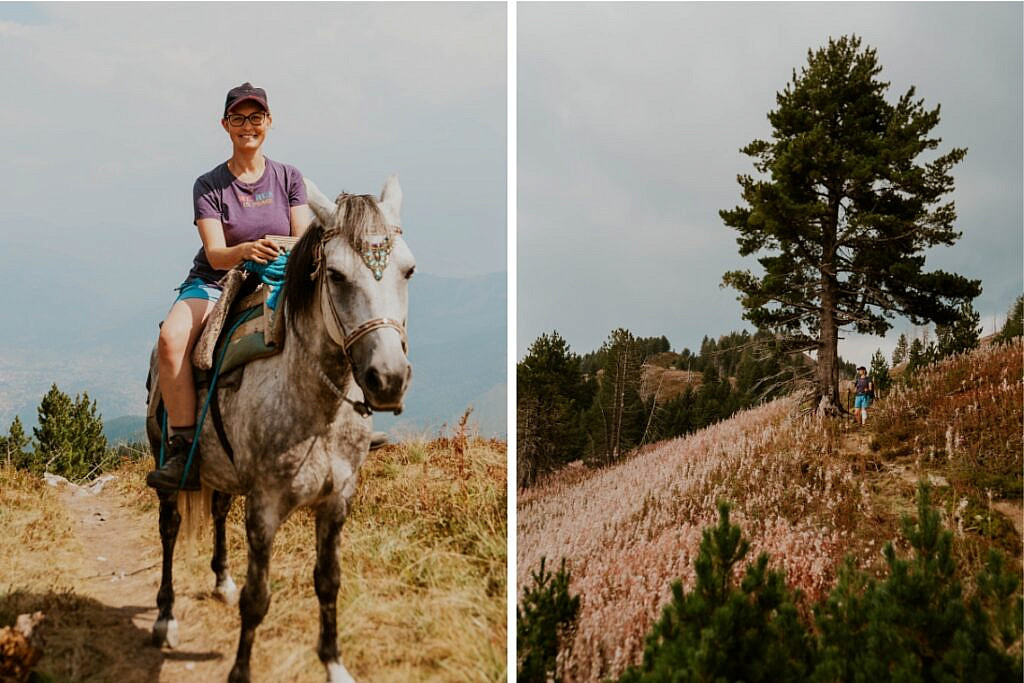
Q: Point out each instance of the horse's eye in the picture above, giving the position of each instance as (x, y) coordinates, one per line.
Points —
(336, 277)
(409, 273)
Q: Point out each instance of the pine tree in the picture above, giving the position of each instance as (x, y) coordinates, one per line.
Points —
(616, 416)
(899, 354)
(545, 625)
(917, 625)
(723, 632)
(879, 373)
(12, 446)
(917, 356)
(1014, 325)
(552, 394)
(69, 438)
(961, 335)
(54, 434)
(846, 212)
(89, 440)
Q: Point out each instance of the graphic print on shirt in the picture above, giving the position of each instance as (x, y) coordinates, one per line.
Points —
(258, 199)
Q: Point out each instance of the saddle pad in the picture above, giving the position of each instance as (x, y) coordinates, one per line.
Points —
(202, 354)
(247, 342)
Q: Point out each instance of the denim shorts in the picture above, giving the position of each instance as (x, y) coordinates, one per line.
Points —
(862, 401)
(197, 288)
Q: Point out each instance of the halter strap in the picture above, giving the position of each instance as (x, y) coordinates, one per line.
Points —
(336, 331)
(375, 324)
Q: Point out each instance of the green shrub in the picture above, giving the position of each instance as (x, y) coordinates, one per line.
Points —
(916, 625)
(69, 438)
(721, 632)
(545, 624)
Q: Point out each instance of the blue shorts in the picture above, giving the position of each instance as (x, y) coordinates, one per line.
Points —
(862, 401)
(197, 288)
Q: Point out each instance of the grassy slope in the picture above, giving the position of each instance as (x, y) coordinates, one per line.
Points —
(805, 491)
(423, 555)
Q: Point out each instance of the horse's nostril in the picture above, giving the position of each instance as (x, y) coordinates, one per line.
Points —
(373, 380)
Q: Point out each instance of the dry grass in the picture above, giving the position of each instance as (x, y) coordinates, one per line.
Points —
(31, 515)
(42, 565)
(666, 382)
(807, 491)
(961, 424)
(423, 557)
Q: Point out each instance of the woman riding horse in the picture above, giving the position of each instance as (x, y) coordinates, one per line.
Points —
(236, 205)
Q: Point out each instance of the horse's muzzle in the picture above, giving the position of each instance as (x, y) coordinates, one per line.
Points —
(384, 387)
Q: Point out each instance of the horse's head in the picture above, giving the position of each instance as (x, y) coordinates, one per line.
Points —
(353, 269)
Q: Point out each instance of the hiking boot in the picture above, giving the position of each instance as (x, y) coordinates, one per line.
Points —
(378, 439)
(168, 477)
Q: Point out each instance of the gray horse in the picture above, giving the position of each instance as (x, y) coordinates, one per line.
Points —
(296, 423)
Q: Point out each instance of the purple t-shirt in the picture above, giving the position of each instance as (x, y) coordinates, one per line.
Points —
(247, 211)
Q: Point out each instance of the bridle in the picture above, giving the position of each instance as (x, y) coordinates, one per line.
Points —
(336, 329)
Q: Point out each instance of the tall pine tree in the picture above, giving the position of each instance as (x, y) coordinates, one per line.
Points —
(845, 212)
(961, 335)
(551, 395)
(1014, 325)
(879, 373)
(899, 354)
(616, 417)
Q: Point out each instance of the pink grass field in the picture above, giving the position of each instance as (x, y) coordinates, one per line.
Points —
(798, 489)
(628, 531)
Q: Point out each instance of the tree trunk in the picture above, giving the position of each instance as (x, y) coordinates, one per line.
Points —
(827, 390)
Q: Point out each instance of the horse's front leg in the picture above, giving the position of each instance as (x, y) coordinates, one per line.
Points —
(225, 588)
(261, 522)
(326, 578)
(165, 628)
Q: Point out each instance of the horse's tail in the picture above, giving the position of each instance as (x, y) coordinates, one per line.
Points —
(195, 508)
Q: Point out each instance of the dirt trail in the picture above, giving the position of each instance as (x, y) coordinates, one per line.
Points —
(121, 568)
(895, 475)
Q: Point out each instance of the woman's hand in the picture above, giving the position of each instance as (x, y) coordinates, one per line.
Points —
(259, 251)
(225, 258)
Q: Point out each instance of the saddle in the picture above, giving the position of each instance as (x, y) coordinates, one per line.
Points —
(241, 328)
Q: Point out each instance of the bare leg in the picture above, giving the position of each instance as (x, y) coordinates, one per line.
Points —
(178, 335)
(326, 578)
(225, 588)
(261, 522)
(165, 629)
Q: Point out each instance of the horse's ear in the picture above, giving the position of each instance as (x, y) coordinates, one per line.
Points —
(391, 198)
(322, 207)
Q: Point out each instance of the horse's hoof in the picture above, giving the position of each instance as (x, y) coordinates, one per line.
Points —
(165, 632)
(226, 591)
(337, 673)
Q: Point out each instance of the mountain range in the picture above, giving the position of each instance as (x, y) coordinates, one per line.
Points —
(457, 345)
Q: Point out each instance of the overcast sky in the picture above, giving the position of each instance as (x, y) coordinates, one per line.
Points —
(109, 111)
(630, 121)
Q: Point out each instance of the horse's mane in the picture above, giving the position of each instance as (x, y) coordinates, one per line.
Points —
(356, 218)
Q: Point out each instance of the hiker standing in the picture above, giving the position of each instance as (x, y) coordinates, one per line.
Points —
(235, 206)
(865, 391)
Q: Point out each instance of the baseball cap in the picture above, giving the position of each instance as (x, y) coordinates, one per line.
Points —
(245, 92)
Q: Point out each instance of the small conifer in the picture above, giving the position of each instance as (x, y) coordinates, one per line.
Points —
(545, 624)
(721, 631)
(917, 625)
